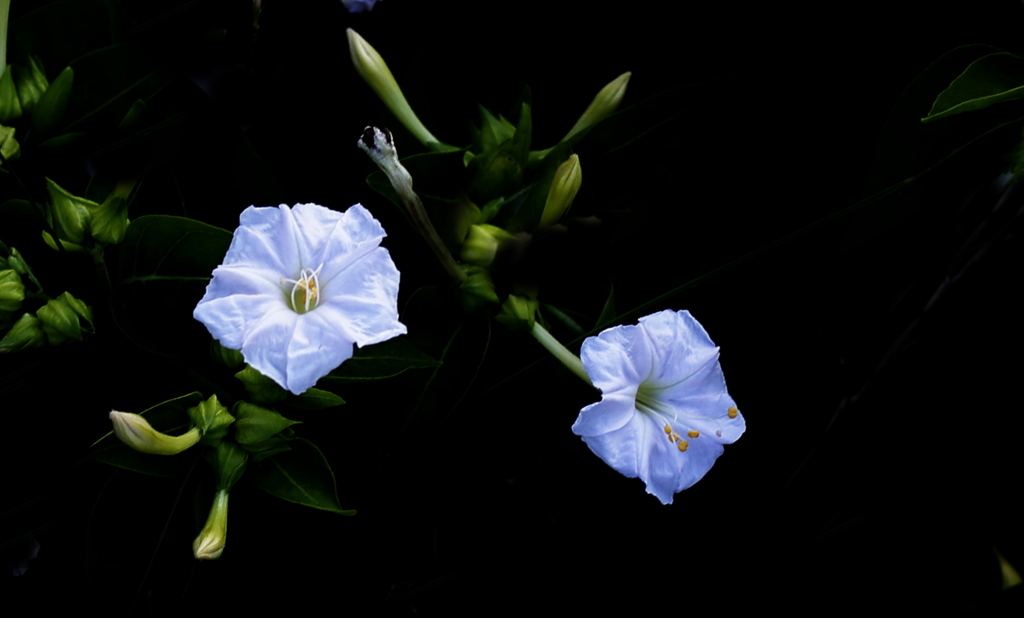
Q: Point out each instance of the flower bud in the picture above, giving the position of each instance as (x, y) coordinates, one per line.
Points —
(26, 333)
(606, 101)
(209, 545)
(136, 432)
(109, 221)
(564, 187)
(31, 82)
(9, 147)
(477, 289)
(62, 318)
(381, 147)
(481, 245)
(375, 73)
(12, 291)
(518, 313)
(68, 215)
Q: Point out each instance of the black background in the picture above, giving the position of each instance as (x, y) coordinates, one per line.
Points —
(875, 471)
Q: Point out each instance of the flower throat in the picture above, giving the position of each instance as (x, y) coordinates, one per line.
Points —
(305, 294)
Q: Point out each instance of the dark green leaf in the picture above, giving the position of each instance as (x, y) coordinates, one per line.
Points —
(381, 360)
(255, 424)
(166, 263)
(48, 113)
(300, 475)
(262, 390)
(315, 399)
(988, 80)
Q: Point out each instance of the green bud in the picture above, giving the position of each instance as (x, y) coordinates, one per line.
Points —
(10, 106)
(135, 431)
(209, 545)
(564, 187)
(477, 289)
(212, 419)
(374, 71)
(262, 390)
(12, 291)
(606, 102)
(518, 313)
(68, 215)
(26, 333)
(62, 318)
(481, 245)
(49, 110)
(232, 359)
(109, 221)
(31, 82)
(9, 147)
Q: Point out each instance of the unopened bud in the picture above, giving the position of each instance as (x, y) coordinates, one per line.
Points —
(381, 147)
(477, 289)
(12, 291)
(606, 102)
(564, 187)
(68, 214)
(518, 313)
(31, 82)
(209, 545)
(9, 147)
(62, 318)
(482, 242)
(135, 431)
(374, 71)
(26, 333)
(109, 221)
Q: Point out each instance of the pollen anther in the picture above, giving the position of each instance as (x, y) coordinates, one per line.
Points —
(308, 286)
(693, 433)
(668, 429)
(683, 444)
(733, 412)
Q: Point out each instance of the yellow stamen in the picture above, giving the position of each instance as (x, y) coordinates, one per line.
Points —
(733, 412)
(668, 429)
(683, 444)
(693, 433)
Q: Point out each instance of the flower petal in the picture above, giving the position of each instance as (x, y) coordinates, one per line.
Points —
(362, 300)
(702, 403)
(267, 340)
(317, 346)
(267, 238)
(352, 235)
(229, 318)
(619, 358)
(609, 414)
(679, 344)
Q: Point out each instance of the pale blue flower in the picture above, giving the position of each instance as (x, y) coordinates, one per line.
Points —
(665, 413)
(358, 6)
(298, 287)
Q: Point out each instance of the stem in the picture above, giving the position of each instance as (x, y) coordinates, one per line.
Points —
(560, 352)
(5, 9)
(422, 222)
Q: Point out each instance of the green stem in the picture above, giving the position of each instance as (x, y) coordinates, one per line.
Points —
(560, 352)
(5, 9)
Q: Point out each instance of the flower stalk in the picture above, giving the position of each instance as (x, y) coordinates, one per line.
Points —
(380, 146)
(570, 360)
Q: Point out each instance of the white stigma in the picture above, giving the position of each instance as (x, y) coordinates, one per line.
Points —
(308, 286)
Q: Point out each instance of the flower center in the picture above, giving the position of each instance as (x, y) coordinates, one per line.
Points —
(305, 293)
(648, 402)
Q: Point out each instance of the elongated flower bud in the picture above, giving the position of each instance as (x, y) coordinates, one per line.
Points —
(606, 101)
(136, 432)
(209, 545)
(375, 72)
(564, 187)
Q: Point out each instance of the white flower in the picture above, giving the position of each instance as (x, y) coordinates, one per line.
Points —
(665, 412)
(358, 6)
(298, 287)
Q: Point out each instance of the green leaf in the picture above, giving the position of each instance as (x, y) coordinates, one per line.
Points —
(10, 105)
(608, 311)
(255, 424)
(315, 399)
(262, 390)
(300, 475)
(992, 79)
(49, 111)
(166, 263)
(381, 360)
